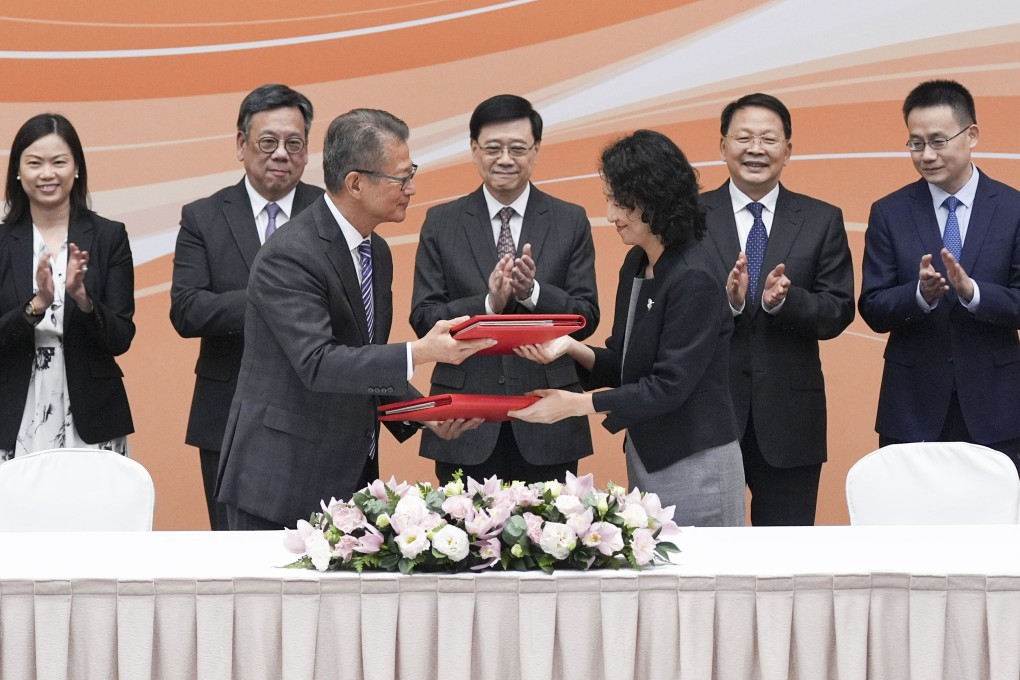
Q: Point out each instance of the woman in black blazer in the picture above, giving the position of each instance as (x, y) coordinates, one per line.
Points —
(667, 358)
(66, 301)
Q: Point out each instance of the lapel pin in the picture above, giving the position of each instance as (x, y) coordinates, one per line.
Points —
(650, 303)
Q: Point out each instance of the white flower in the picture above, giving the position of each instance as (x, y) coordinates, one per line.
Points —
(347, 518)
(458, 507)
(580, 522)
(454, 488)
(569, 505)
(558, 540)
(318, 550)
(412, 542)
(452, 542)
(554, 488)
(410, 511)
(643, 545)
(634, 516)
(602, 502)
(382, 521)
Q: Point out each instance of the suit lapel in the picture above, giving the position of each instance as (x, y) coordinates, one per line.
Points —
(82, 233)
(20, 263)
(722, 227)
(477, 227)
(340, 257)
(382, 291)
(926, 222)
(981, 215)
(537, 223)
(786, 226)
(237, 212)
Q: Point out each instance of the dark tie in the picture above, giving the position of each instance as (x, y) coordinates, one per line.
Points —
(365, 252)
(757, 240)
(272, 210)
(505, 244)
(951, 237)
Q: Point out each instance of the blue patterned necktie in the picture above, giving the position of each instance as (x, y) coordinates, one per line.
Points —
(365, 252)
(505, 244)
(272, 210)
(951, 237)
(757, 240)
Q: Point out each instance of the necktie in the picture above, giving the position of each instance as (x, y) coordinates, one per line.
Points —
(757, 240)
(951, 237)
(365, 253)
(505, 244)
(272, 210)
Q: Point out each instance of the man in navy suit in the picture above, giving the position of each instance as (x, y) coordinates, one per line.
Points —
(216, 245)
(539, 259)
(942, 277)
(789, 281)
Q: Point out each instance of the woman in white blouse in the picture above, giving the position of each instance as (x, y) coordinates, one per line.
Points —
(66, 301)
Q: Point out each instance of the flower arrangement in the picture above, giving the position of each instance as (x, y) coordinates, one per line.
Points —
(490, 525)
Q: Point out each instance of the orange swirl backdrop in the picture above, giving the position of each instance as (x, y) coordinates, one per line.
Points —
(153, 89)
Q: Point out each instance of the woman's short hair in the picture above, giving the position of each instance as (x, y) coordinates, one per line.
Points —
(646, 171)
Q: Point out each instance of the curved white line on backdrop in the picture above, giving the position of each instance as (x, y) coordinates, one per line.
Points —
(219, 24)
(255, 44)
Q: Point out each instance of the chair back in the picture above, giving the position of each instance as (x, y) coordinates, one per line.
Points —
(75, 490)
(933, 483)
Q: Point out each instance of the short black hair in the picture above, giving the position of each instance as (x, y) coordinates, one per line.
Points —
(765, 101)
(501, 108)
(357, 139)
(269, 97)
(648, 172)
(942, 93)
(35, 128)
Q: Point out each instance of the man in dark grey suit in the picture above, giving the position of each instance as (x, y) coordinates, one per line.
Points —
(302, 424)
(789, 280)
(506, 248)
(216, 245)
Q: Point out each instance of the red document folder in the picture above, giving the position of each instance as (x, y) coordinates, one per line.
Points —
(513, 330)
(491, 407)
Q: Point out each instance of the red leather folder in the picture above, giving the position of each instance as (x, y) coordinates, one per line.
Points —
(491, 407)
(513, 330)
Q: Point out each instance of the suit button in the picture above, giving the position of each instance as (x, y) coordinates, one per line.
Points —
(389, 389)
(949, 360)
(369, 433)
(502, 380)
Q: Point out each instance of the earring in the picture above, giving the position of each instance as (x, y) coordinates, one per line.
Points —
(18, 178)
(76, 175)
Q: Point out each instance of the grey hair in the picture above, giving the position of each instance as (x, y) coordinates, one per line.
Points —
(357, 139)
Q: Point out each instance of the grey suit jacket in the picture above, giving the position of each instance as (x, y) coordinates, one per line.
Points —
(456, 254)
(216, 245)
(304, 413)
(775, 371)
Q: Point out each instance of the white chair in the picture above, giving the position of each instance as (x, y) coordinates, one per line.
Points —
(75, 490)
(933, 483)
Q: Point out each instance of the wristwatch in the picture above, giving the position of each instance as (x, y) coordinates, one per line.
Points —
(30, 309)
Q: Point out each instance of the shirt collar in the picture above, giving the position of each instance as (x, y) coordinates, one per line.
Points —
(350, 234)
(519, 204)
(740, 199)
(259, 203)
(965, 195)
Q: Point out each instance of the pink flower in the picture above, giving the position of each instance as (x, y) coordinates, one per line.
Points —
(580, 522)
(659, 516)
(490, 487)
(489, 550)
(526, 496)
(370, 542)
(431, 521)
(579, 486)
(347, 518)
(643, 545)
(295, 540)
(534, 527)
(605, 537)
(478, 523)
(345, 547)
(458, 507)
(410, 511)
(500, 514)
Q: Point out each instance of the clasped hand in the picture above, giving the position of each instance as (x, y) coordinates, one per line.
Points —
(933, 285)
(514, 277)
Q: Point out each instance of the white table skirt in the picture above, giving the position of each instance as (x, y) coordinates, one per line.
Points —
(820, 602)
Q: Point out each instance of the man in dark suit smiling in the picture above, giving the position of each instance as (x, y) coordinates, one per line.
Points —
(790, 284)
(216, 245)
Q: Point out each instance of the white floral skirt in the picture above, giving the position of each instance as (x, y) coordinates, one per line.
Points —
(47, 422)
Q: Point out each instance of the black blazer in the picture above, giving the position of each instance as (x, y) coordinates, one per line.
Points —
(672, 395)
(95, 385)
(216, 245)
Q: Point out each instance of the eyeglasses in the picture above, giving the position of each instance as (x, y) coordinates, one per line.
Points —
(270, 144)
(937, 143)
(767, 141)
(515, 150)
(403, 181)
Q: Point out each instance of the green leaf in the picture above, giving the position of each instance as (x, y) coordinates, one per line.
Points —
(434, 501)
(515, 529)
(304, 563)
(389, 561)
(406, 566)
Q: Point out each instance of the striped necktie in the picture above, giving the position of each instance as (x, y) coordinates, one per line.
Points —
(365, 252)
